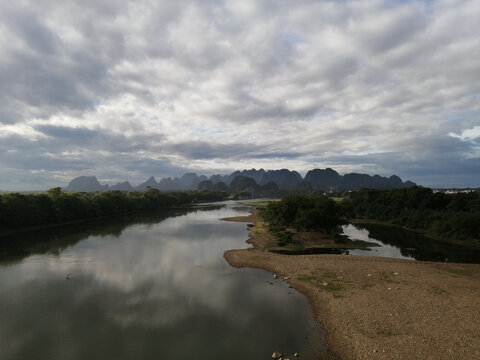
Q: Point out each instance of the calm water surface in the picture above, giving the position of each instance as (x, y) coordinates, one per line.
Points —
(157, 289)
(399, 243)
(383, 250)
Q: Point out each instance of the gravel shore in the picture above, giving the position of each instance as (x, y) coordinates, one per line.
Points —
(382, 308)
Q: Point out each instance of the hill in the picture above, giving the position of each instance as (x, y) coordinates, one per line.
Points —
(317, 179)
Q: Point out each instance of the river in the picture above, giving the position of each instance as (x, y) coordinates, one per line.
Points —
(145, 288)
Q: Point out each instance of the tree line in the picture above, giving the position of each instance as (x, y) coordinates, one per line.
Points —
(436, 213)
(55, 207)
(302, 213)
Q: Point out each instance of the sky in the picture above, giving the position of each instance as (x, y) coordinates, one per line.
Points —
(124, 90)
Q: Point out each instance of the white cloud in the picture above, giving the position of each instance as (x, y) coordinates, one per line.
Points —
(472, 134)
(303, 83)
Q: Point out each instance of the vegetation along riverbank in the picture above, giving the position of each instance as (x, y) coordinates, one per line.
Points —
(453, 218)
(20, 212)
(374, 307)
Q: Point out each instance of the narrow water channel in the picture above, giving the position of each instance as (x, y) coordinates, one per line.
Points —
(396, 242)
(152, 289)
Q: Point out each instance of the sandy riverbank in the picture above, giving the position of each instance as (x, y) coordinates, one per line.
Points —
(380, 308)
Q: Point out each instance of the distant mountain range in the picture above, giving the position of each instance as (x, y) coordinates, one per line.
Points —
(318, 179)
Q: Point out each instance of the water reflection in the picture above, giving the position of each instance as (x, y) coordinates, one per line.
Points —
(153, 289)
(399, 243)
(54, 240)
(384, 250)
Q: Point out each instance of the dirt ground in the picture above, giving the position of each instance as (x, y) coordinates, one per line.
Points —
(382, 308)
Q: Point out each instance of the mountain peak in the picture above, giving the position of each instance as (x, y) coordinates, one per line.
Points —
(285, 179)
(85, 183)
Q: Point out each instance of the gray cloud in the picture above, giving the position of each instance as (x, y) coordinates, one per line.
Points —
(127, 90)
(205, 150)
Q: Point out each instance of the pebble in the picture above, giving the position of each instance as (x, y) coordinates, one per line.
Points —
(276, 355)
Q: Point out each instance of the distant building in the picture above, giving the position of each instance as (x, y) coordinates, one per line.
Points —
(453, 191)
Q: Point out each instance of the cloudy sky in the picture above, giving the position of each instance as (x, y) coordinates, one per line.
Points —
(128, 89)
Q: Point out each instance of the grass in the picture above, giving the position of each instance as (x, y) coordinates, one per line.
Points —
(330, 275)
(258, 203)
(255, 203)
(366, 286)
(334, 287)
(462, 272)
(307, 278)
(324, 282)
(387, 276)
(301, 240)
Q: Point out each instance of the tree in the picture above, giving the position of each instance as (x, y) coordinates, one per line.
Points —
(55, 192)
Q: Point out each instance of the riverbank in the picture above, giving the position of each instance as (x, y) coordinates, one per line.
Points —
(381, 308)
(472, 243)
(20, 212)
(4, 233)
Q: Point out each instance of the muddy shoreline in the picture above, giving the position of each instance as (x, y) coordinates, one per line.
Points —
(383, 308)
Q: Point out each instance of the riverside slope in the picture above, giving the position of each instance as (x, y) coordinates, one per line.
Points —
(382, 308)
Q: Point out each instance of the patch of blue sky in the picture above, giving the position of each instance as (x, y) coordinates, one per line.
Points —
(458, 117)
(157, 120)
(365, 152)
(428, 2)
(146, 115)
(292, 38)
(277, 155)
(470, 135)
(200, 130)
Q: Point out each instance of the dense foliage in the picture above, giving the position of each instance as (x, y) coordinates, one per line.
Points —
(439, 214)
(303, 213)
(53, 207)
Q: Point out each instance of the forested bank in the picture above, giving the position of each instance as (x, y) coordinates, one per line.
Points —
(302, 214)
(19, 211)
(452, 216)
